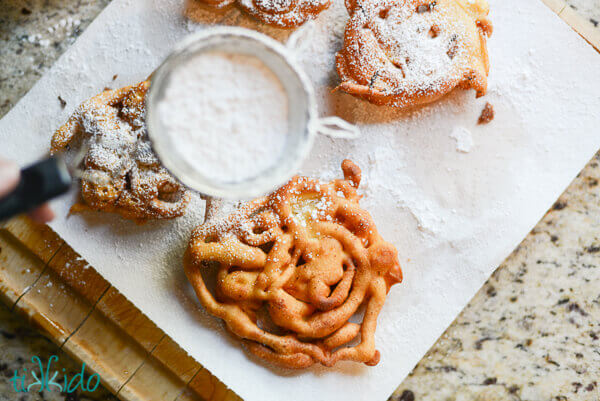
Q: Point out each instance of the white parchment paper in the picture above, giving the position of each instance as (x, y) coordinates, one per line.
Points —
(454, 198)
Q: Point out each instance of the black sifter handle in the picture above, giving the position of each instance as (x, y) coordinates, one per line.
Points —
(39, 183)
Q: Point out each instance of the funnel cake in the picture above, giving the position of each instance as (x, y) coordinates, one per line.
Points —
(293, 270)
(279, 13)
(118, 170)
(410, 52)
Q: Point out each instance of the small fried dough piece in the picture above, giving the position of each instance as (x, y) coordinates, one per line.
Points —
(487, 114)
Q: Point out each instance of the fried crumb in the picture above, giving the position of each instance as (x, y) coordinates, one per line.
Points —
(62, 101)
(487, 114)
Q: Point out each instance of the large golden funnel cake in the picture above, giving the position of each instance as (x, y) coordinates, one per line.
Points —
(301, 274)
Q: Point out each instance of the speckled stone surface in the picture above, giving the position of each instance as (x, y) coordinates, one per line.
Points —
(531, 333)
(19, 342)
(533, 330)
(590, 9)
(33, 34)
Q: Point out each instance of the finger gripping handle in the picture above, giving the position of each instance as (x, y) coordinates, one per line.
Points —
(39, 183)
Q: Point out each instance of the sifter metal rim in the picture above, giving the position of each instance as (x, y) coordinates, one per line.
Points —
(266, 49)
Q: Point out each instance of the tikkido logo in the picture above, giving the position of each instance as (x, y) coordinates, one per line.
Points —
(42, 380)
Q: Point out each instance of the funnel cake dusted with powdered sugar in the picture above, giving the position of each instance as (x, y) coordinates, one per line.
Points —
(279, 13)
(410, 52)
(292, 271)
(118, 170)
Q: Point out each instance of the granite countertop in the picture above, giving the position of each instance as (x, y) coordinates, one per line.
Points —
(531, 333)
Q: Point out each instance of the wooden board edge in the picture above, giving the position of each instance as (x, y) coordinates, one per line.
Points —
(583, 27)
(136, 365)
(19, 269)
(578, 23)
(156, 357)
(555, 5)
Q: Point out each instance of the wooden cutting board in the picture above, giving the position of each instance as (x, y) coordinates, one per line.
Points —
(43, 278)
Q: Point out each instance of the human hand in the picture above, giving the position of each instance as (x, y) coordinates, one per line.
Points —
(9, 178)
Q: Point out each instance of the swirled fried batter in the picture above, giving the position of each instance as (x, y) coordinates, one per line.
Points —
(410, 52)
(293, 269)
(118, 170)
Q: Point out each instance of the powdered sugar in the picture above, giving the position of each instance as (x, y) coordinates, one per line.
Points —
(110, 139)
(275, 6)
(227, 115)
(425, 52)
(463, 138)
(284, 13)
(110, 146)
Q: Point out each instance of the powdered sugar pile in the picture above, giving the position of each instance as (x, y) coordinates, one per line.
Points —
(463, 138)
(227, 114)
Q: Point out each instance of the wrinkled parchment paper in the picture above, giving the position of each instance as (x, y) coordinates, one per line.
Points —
(455, 198)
